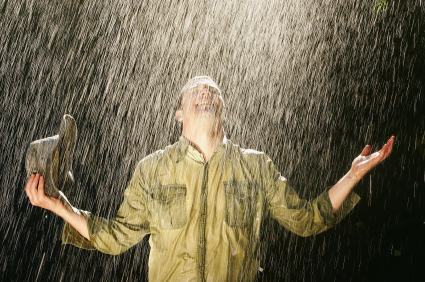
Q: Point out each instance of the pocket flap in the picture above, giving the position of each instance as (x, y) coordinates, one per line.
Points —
(167, 193)
(240, 189)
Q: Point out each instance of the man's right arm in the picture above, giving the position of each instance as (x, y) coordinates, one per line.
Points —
(37, 197)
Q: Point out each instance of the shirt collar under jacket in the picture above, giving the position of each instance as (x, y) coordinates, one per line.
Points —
(185, 149)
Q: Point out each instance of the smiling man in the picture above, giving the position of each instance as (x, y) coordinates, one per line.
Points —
(202, 200)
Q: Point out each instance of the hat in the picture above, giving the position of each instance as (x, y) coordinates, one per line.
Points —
(52, 158)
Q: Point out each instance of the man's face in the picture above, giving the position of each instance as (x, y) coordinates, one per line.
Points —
(202, 99)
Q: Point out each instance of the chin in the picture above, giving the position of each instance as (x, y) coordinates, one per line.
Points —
(207, 111)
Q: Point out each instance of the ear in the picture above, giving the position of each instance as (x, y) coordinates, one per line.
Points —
(179, 115)
(223, 115)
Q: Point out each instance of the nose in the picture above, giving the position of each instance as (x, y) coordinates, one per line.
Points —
(205, 93)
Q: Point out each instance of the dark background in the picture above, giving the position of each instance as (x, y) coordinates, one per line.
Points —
(310, 84)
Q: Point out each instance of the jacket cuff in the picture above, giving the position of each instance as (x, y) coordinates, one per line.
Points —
(71, 236)
(330, 219)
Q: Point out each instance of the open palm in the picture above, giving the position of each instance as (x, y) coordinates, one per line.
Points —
(365, 162)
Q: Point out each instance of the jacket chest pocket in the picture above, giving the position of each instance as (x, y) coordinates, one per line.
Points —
(241, 199)
(169, 206)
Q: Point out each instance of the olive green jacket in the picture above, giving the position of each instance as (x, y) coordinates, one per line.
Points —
(204, 217)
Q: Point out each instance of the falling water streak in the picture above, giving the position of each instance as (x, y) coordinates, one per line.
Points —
(370, 190)
(39, 268)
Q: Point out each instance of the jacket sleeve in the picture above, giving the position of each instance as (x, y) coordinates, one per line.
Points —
(115, 236)
(304, 218)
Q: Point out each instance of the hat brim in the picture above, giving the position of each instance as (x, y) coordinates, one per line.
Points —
(52, 158)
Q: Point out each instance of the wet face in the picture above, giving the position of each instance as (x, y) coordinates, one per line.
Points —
(202, 99)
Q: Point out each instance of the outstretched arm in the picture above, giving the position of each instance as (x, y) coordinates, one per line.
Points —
(360, 166)
(37, 197)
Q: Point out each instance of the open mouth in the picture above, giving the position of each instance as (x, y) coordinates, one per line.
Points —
(206, 106)
(205, 103)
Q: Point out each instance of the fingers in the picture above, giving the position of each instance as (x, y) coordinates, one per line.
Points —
(366, 150)
(41, 187)
(27, 187)
(386, 149)
(390, 144)
(35, 195)
(31, 186)
(383, 153)
(365, 162)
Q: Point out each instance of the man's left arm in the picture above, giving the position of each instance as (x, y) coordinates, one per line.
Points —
(360, 166)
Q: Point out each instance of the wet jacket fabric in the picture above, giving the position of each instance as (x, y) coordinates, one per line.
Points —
(204, 217)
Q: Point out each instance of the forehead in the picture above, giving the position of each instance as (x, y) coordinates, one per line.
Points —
(201, 83)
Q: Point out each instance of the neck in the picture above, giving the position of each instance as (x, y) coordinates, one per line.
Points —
(205, 139)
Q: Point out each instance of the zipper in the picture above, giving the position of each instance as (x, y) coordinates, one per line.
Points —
(202, 219)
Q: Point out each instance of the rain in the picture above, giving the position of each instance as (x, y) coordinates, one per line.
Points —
(309, 83)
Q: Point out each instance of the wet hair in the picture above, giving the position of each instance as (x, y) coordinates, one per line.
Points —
(190, 83)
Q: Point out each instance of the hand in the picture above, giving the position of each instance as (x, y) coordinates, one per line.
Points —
(38, 198)
(365, 162)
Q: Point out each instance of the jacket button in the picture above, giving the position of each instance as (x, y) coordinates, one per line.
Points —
(202, 243)
(201, 269)
(203, 216)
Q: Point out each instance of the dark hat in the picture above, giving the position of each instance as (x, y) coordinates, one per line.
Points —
(52, 158)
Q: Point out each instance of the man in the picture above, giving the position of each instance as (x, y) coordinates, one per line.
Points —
(202, 200)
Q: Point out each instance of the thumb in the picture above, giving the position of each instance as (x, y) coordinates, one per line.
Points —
(366, 150)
